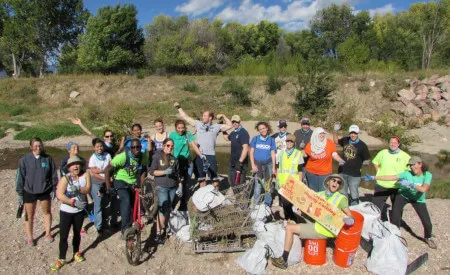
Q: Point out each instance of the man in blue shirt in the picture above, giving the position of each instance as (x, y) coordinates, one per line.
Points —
(239, 139)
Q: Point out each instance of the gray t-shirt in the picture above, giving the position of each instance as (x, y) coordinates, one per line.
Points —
(206, 137)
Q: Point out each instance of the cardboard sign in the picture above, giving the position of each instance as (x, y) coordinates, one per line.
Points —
(312, 204)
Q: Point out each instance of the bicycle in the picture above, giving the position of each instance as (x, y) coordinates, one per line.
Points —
(133, 238)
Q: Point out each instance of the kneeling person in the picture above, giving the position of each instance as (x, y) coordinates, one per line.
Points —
(333, 184)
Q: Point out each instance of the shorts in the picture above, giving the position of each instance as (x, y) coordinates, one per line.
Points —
(31, 198)
(212, 170)
(308, 231)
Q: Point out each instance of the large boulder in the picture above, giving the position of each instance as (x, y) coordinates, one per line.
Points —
(404, 100)
(412, 110)
(421, 89)
(443, 79)
(443, 107)
(421, 96)
(445, 86)
(446, 95)
(408, 94)
(436, 96)
(398, 107)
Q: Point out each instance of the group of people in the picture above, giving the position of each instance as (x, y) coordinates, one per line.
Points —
(114, 171)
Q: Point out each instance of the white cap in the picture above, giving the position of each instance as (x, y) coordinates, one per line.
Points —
(353, 128)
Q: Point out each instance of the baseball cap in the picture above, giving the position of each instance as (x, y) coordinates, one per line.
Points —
(290, 137)
(305, 120)
(353, 128)
(414, 160)
(236, 118)
(282, 123)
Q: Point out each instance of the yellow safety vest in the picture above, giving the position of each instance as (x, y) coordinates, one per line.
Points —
(288, 166)
(335, 200)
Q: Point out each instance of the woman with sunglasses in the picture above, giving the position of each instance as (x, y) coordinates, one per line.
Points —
(164, 168)
(332, 184)
(413, 187)
(108, 139)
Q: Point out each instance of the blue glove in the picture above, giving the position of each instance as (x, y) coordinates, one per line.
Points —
(368, 178)
(349, 221)
(406, 183)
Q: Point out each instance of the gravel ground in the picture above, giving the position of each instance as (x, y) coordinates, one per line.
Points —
(174, 257)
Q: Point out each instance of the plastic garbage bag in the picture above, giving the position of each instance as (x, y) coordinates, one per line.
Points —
(261, 212)
(177, 220)
(274, 237)
(254, 260)
(184, 233)
(390, 252)
(371, 214)
(207, 198)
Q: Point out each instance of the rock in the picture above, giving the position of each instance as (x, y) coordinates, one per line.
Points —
(426, 117)
(421, 97)
(408, 94)
(255, 112)
(412, 110)
(443, 107)
(445, 86)
(74, 94)
(435, 89)
(443, 79)
(421, 89)
(446, 95)
(436, 96)
(435, 115)
(404, 101)
(372, 83)
(398, 107)
(447, 120)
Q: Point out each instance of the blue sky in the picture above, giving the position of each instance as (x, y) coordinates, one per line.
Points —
(290, 14)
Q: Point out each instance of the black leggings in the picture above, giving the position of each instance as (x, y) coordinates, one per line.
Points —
(421, 210)
(66, 220)
(380, 196)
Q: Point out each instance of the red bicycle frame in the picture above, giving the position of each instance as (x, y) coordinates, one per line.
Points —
(137, 210)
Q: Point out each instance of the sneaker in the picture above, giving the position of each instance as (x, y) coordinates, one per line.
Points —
(49, 239)
(31, 243)
(279, 262)
(159, 239)
(59, 263)
(78, 257)
(99, 233)
(431, 243)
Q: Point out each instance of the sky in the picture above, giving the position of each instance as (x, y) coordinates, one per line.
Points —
(291, 15)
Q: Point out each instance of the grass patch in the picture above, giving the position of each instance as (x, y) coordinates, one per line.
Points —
(190, 87)
(13, 109)
(239, 91)
(439, 189)
(364, 88)
(4, 126)
(49, 132)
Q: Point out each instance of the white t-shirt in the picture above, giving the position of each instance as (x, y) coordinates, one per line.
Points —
(96, 162)
(73, 192)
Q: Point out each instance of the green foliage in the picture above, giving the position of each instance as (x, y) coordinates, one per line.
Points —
(274, 84)
(421, 76)
(4, 126)
(49, 132)
(13, 109)
(392, 86)
(238, 91)
(353, 53)
(364, 88)
(315, 86)
(190, 86)
(122, 119)
(439, 189)
(387, 127)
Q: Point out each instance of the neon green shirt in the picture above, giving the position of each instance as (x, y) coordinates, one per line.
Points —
(412, 194)
(390, 164)
(128, 174)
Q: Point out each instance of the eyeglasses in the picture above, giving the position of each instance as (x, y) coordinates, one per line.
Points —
(110, 136)
(136, 147)
(169, 146)
(338, 181)
(290, 141)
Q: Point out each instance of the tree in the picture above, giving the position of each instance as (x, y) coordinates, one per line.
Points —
(353, 53)
(113, 42)
(434, 20)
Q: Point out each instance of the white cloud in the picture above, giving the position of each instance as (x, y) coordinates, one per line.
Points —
(389, 8)
(198, 7)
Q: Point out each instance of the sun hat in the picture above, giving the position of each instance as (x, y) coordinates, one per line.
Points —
(290, 137)
(305, 120)
(414, 160)
(236, 118)
(282, 123)
(74, 160)
(353, 128)
(331, 177)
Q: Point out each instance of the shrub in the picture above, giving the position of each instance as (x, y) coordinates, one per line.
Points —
(239, 92)
(392, 86)
(27, 91)
(315, 86)
(13, 109)
(274, 84)
(94, 112)
(387, 128)
(49, 132)
(439, 189)
(422, 76)
(364, 88)
(190, 87)
(122, 119)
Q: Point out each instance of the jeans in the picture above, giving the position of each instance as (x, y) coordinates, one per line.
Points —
(351, 185)
(166, 197)
(126, 198)
(421, 210)
(380, 196)
(315, 182)
(67, 220)
(212, 170)
(264, 173)
(97, 205)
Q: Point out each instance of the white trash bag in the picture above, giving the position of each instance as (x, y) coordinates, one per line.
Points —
(254, 260)
(261, 212)
(177, 220)
(390, 253)
(371, 214)
(184, 233)
(206, 198)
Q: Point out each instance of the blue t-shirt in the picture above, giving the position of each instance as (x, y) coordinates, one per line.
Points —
(144, 143)
(238, 139)
(263, 148)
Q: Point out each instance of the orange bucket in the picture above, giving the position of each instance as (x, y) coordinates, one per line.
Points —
(357, 226)
(344, 258)
(350, 236)
(315, 252)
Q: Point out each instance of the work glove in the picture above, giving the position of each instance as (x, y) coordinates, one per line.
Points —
(179, 191)
(203, 157)
(368, 178)
(241, 167)
(52, 195)
(341, 162)
(366, 162)
(110, 191)
(177, 105)
(168, 171)
(406, 183)
(79, 204)
(20, 200)
(349, 221)
(337, 126)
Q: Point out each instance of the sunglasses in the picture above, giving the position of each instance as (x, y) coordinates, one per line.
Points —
(289, 141)
(169, 146)
(338, 181)
(110, 136)
(136, 147)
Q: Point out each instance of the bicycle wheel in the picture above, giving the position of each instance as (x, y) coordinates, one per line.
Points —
(149, 198)
(133, 247)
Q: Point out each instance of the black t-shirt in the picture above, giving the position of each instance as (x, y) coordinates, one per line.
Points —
(302, 137)
(237, 140)
(354, 155)
(158, 163)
